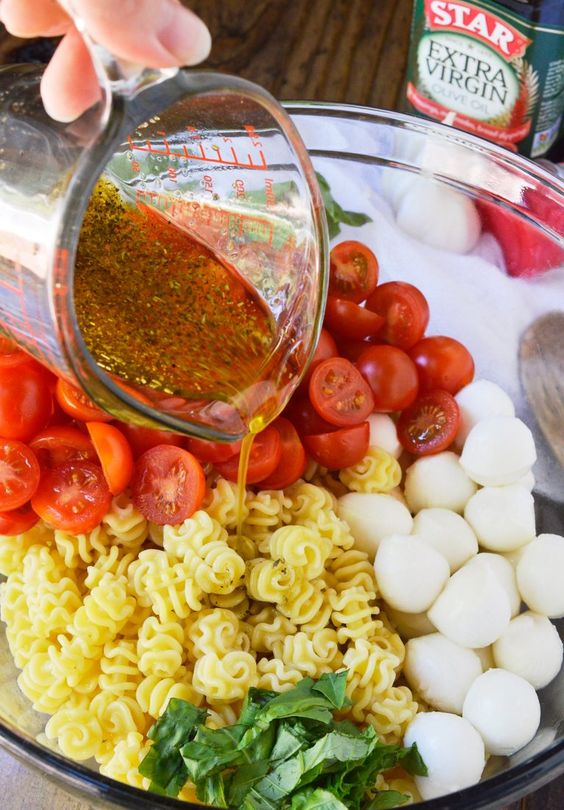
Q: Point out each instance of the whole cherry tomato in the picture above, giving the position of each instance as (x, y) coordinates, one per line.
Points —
(391, 375)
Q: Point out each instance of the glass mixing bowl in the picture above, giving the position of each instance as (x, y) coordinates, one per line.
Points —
(370, 158)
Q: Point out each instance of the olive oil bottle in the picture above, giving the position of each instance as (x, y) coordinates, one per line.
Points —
(491, 68)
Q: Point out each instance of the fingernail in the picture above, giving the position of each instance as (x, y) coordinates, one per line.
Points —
(186, 37)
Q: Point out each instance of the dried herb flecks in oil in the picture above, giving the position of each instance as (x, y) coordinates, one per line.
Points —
(157, 309)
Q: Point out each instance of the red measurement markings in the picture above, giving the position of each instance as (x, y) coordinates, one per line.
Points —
(23, 327)
(201, 154)
(191, 214)
(239, 187)
(269, 192)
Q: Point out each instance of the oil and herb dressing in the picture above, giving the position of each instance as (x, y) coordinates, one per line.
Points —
(244, 457)
(159, 311)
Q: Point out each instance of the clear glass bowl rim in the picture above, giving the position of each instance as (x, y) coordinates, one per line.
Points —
(503, 787)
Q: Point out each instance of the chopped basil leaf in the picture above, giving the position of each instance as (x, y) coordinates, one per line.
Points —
(286, 752)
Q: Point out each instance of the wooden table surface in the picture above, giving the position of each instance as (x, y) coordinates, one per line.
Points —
(326, 50)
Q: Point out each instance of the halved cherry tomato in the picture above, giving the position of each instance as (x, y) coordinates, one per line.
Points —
(168, 484)
(405, 310)
(60, 443)
(75, 402)
(142, 438)
(293, 462)
(18, 521)
(114, 453)
(26, 402)
(350, 320)
(392, 376)
(264, 458)
(73, 497)
(214, 452)
(430, 424)
(305, 418)
(354, 271)
(10, 354)
(19, 474)
(339, 449)
(326, 348)
(442, 362)
(339, 393)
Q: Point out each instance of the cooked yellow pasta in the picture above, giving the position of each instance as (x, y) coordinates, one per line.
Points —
(123, 764)
(269, 580)
(125, 524)
(275, 675)
(266, 511)
(192, 535)
(80, 550)
(377, 472)
(77, 731)
(153, 692)
(160, 647)
(311, 655)
(354, 614)
(371, 672)
(215, 630)
(268, 628)
(302, 548)
(225, 679)
(392, 712)
(221, 504)
(108, 626)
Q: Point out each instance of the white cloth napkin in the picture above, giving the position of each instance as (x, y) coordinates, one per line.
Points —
(471, 298)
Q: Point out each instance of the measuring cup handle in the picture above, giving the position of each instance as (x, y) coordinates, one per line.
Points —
(116, 76)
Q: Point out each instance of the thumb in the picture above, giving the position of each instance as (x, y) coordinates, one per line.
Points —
(155, 33)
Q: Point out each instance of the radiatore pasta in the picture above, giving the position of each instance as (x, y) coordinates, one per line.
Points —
(108, 626)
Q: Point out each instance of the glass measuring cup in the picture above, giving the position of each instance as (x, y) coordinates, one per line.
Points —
(195, 154)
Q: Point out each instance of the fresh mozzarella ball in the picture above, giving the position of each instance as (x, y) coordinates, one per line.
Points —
(449, 533)
(513, 557)
(383, 434)
(440, 671)
(409, 572)
(452, 750)
(531, 648)
(486, 657)
(438, 481)
(439, 216)
(540, 575)
(498, 451)
(373, 516)
(395, 185)
(474, 609)
(505, 573)
(410, 625)
(502, 517)
(527, 481)
(505, 709)
(481, 399)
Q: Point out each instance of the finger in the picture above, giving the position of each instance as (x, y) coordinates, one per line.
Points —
(69, 85)
(30, 18)
(156, 33)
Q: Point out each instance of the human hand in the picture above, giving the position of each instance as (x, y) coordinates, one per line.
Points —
(155, 33)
